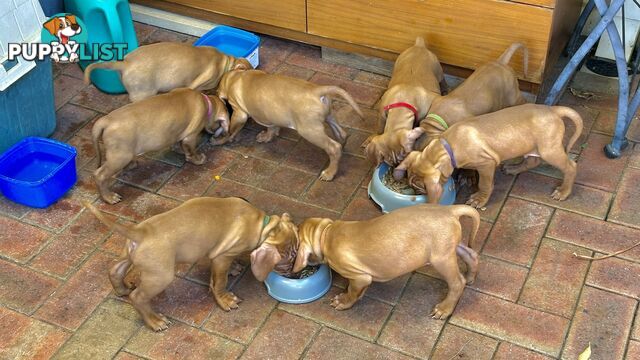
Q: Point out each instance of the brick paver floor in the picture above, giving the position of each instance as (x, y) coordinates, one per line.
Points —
(532, 299)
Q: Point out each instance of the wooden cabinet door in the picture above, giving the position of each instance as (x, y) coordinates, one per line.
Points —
(289, 14)
(464, 33)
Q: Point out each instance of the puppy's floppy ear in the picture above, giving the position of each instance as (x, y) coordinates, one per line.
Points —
(410, 138)
(222, 114)
(52, 26)
(72, 19)
(302, 258)
(263, 260)
(242, 64)
(443, 163)
(372, 152)
(310, 231)
(400, 170)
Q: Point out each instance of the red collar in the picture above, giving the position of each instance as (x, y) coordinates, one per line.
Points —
(404, 105)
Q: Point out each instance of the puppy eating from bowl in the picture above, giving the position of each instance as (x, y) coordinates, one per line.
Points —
(220, 229)
(153, 124)
(161, 67)
(392, 245)
(481, 143)
(277, 101)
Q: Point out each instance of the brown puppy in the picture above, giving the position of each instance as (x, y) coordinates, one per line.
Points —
(153, 124)
(277, 101)
(392, 245)
(161, 67)
(217, 228)
(483, 142)
(414, 84)
(492, 87)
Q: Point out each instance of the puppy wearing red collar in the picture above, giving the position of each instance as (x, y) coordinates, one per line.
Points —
(415, 82)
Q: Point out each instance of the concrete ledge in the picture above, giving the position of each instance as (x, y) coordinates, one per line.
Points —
(170, 21)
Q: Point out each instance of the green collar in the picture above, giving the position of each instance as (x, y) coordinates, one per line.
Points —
(438, 119)
(265, 221)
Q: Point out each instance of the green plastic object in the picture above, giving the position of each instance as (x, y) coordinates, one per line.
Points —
(107, 22)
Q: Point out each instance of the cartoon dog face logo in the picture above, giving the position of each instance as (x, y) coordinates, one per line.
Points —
(63, 27)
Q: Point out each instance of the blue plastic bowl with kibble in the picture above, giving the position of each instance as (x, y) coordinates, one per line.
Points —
(37, 171)
(299, 291)
(389, 200)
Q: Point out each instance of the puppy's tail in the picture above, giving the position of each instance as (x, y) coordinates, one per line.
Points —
(96, 135)
(126, 231)
(565, 112)
(465, 210)
(113, 65)
(335, 90)
(506, 56)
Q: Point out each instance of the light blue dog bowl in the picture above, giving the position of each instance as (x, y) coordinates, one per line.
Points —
(389, 200)
(299, 291)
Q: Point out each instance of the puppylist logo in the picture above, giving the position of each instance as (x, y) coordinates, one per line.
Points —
(64, 39)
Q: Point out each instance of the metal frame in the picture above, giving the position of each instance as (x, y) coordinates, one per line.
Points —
(626, 109)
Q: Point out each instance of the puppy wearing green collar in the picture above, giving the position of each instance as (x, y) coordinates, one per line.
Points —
(218, 229)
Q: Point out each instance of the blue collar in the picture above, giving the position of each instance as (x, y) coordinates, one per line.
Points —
(265, 221)
(447, 147)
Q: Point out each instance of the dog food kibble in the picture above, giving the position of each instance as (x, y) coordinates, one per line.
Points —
(305, 273)
(401, 186)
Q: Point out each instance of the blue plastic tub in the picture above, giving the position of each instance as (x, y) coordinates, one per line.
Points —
(389, 200)
(234, 42)
(299, 291)
(106, 22)
(37, 171)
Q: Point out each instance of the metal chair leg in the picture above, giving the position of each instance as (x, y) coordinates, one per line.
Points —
(606, 20)
(614, 149)
(570, 49)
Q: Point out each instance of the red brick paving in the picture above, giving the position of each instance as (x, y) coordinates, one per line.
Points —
(626, 208)
(518, 324)
(602, 318)
(555, 279)
(517, 232)
(532, 299)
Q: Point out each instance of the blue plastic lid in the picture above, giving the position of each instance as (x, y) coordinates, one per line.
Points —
(230, 41)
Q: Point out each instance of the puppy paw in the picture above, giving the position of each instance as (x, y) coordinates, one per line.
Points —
(341, 302)
(199, 159)
(228, 301)
(469, 278)
(157, 322)
(236, 269)
(441, 311)
(477, 201)
(123, 291)
(264, 136)
(559, 194)
(219, 141)
(327, 175)
(112, 198)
